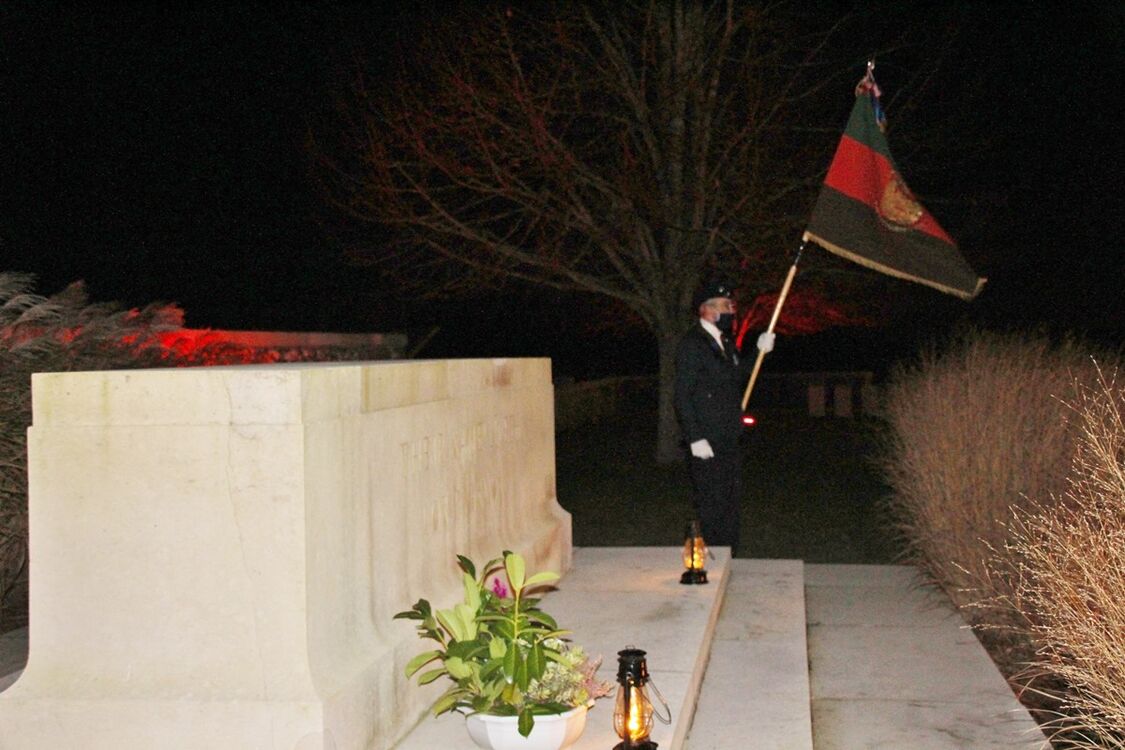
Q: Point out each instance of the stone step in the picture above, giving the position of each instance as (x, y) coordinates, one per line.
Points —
(756, 690)
(889, 663)
(615, 597)
(894, 666)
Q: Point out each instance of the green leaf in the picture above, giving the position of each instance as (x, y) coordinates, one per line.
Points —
(491, 567)
(492, 690)
(554, 656)
(541, 578)
(550, 707)
(509, 662)
(467, 616)
(420, 610)
(466, 565)
(491, 667)
(464, 649)
(420, 660)
(536, 662)
(447, 701)
(543, 618)
(522, 677)
(472, 592)
(452, 623)
(515, 567)
(458, 669)
(526, 722)
(504, 629)
(497, 648)
(427, 677)
(429, 624)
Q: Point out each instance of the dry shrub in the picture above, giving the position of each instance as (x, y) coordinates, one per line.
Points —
(974, 432)
(1071, 557)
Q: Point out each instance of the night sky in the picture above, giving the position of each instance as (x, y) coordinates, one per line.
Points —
(159, 155)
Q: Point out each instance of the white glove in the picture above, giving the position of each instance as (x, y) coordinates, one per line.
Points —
(765, 342)
(702, 449)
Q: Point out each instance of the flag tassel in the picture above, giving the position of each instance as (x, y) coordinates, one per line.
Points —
(773, 322)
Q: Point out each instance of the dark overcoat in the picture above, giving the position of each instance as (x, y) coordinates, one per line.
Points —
(708, 390)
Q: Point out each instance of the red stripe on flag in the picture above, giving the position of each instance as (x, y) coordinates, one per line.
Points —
(861, 173)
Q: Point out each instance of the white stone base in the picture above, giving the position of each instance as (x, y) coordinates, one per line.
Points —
(217, 553)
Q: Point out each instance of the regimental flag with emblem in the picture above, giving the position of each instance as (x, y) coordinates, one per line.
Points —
(866, 213)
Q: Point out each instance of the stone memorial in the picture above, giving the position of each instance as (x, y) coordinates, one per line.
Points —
(216, 553)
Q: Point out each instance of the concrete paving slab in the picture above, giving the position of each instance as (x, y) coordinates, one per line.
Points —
(890, 605)
(861, 575)
(613, 598)
(921, 725)
(773, 666)
(606, 622)
(756, 690)
(779, 610)
(905, 663)
(892, 666)
(772, 730)
(643, 569)
(752, 575)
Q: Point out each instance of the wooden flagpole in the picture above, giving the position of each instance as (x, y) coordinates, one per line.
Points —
(773, 322)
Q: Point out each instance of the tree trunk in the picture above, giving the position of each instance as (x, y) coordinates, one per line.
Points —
(668, 447)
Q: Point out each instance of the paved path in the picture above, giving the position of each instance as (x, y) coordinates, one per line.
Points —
(778, 655)
(756, 690)
(882, 662)
(894, 666)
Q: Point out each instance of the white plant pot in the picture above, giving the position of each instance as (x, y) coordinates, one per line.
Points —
(551, 732)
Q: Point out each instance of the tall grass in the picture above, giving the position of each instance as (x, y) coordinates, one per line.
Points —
(1071, 557)
(978, 432)
(1004, 455)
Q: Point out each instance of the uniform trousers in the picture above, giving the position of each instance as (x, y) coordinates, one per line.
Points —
(718, 497)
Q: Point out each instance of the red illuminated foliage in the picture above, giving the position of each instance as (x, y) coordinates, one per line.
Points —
(806, 311)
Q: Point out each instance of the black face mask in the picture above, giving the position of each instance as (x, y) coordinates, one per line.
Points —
(725, 323)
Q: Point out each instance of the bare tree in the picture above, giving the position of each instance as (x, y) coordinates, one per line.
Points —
(633, 150)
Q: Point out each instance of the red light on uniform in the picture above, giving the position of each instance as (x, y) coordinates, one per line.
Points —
(748, 420)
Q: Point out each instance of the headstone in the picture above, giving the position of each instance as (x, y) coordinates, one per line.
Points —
(842, 400)
(816, 399)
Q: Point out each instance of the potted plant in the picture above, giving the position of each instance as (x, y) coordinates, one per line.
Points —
(511, 667)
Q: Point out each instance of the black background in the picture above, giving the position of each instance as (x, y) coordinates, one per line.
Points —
(160, 154)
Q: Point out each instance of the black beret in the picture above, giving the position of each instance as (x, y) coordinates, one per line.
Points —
(710, 291)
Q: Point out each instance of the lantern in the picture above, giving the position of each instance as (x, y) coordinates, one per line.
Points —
(695, 551)
(632, 714)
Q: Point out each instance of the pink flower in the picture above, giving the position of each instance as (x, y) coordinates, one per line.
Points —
(499, 588)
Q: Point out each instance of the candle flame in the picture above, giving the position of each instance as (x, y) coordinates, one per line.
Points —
(697, 552)
(635, 725)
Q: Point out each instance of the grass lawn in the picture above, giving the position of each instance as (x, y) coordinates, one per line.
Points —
(810, 491)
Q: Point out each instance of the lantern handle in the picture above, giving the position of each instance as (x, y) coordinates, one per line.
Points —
(667, 718)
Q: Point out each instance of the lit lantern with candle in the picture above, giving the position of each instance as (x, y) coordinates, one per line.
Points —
(695, 552)
(632, 715)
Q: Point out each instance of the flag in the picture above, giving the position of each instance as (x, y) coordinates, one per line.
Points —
(865, 212)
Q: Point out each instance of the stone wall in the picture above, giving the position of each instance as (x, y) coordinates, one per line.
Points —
(217, 552)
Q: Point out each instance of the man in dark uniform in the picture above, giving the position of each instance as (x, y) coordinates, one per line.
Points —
(710, 378)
